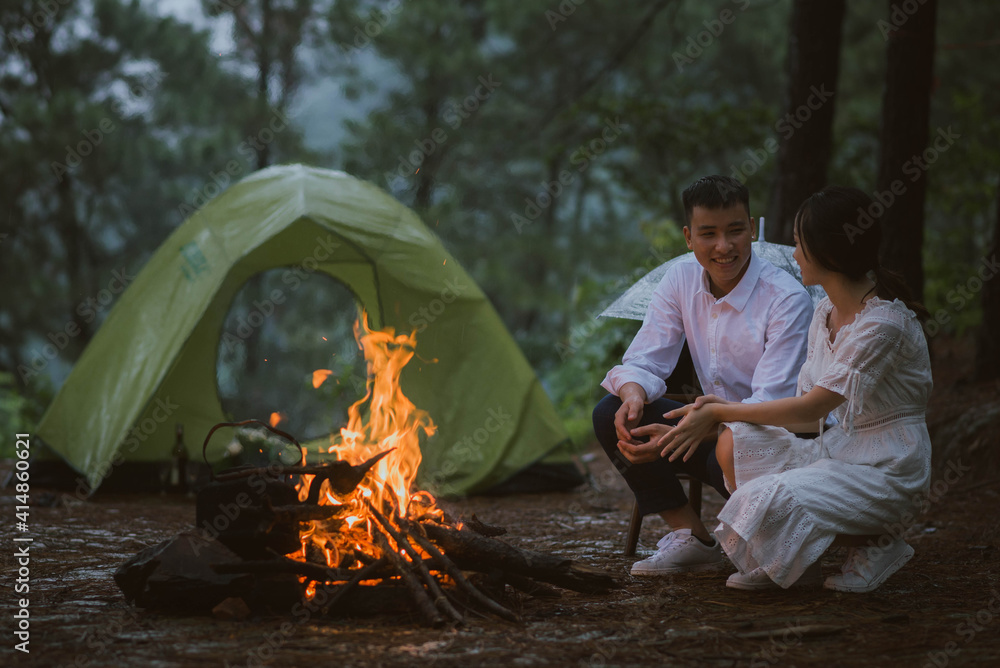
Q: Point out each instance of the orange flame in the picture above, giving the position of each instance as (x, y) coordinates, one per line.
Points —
(276, 418)
(320, 376)
(382, 420)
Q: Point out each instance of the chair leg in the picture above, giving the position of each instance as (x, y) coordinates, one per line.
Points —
(694, 496)
(634, 525)
(635, 522)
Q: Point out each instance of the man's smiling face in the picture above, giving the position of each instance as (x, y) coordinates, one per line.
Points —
(720, 239)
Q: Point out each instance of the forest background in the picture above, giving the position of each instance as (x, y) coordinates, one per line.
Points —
(545, 143)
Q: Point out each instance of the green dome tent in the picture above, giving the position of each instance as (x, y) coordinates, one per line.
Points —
(153, 362)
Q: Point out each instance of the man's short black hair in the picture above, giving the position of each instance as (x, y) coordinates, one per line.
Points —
(715, 192)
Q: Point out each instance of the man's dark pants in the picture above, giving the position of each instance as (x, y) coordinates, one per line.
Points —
(655, 484)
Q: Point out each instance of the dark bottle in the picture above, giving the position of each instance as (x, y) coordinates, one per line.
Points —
(178, 471)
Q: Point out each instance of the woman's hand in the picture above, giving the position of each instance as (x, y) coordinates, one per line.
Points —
(698, 403)
(698, 421)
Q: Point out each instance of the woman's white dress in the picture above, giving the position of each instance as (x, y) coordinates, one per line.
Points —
(795, 495)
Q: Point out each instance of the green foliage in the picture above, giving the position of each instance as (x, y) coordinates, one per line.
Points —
(19, 413)
(591, 345)
(115, 125)
(593, 126)
(539, 141)
(964, 177)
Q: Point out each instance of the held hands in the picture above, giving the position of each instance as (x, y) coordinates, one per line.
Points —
(698, 420)
(639, 452)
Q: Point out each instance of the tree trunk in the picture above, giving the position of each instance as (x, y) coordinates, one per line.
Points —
(428, 167)
(807, 126)
(988, 347)
(902, 178)
(263, 77)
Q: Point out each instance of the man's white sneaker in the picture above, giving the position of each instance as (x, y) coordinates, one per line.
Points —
(867, 568)
(758, 579)
(680, 552)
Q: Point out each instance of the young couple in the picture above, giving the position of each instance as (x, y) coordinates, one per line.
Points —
(863, 375)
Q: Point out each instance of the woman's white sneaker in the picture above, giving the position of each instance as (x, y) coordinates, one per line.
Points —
(759, 579)
(680, 552)
(867, 568)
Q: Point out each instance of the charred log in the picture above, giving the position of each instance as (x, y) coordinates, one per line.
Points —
(471, 551)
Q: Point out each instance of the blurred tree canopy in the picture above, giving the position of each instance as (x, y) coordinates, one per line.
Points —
(545, 143)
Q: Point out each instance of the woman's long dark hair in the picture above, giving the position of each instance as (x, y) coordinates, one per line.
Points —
(838, 230)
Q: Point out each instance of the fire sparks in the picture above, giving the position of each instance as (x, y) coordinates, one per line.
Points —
(275, 419)
(320, 376)
(383, 421)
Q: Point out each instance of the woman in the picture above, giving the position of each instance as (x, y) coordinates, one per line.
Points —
(868, 364)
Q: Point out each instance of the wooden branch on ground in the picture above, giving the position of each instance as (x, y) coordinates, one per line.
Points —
(469, 550)
(284, 565)
(451, 569)
(305, 513)
(420, 596)
(530, 587)
(480, 527)
(437, 595)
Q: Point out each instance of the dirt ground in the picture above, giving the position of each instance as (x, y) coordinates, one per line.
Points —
(942, 609)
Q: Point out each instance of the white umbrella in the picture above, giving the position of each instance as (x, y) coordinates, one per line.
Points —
(632, 304)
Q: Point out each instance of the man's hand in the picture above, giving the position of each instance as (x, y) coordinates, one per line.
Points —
(627, 417)
(639, 452)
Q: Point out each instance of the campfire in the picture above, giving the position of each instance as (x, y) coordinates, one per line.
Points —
(351, 535)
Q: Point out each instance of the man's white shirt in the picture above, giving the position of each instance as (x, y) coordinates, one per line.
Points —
(747, 346)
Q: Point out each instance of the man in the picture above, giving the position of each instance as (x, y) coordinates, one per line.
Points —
(745, 322)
